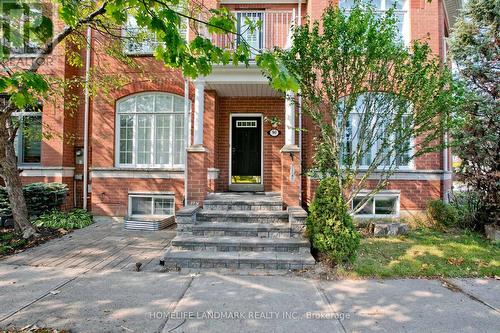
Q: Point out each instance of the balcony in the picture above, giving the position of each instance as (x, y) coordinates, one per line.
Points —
(273, 30)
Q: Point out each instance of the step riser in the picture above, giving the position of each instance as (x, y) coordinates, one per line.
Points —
(242, 219)
(261, 234)
(241, 248)
(246, 206)
(231, 264)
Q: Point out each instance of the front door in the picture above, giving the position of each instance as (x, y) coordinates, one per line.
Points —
(246, 154)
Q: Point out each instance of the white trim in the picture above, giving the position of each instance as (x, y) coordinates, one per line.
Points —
(237, 115)
(137, 173)
(408, 174)
(38, 171)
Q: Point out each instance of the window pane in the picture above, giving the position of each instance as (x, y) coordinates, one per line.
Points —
(398, 4)
(141, 206)
(126, 138)
(32, 139)
(367, 208)
(145, 103)
(144, 138)
(163, 206)
(163, 144)
(179, 104)
(127, 105)
(179, 140)
(385, 205)
(163, 103)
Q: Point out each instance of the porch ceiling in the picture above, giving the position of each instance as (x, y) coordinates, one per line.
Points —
(230, 81)
(243, 90)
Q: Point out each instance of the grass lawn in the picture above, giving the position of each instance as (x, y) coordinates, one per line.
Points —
(427, 253)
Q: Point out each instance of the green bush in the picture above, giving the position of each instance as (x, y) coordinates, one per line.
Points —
(470, 210)
(330, 225)
(40, 198)
(55, 219)
(442, 214)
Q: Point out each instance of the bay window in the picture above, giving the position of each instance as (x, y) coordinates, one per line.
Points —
(150, 131)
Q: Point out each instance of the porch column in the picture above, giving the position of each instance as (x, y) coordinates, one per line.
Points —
(197, 153)
(290, 158)
(289, 119)
(199, 108)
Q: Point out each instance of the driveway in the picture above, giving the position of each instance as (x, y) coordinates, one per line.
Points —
(98, 296)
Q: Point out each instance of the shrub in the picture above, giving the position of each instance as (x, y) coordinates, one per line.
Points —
(442, 214)
(471, 213)
(40, 198)
(329, 224)
(55, 219)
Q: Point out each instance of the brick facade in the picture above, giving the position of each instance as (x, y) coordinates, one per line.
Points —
(109, 195)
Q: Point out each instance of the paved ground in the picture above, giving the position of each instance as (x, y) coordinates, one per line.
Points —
(98, 296)
(101, 246)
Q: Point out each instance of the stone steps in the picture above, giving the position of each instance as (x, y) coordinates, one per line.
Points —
(237, 260)
(248, 216)
(242, 244)
(244, 229)
(240, 230)
(243, 201)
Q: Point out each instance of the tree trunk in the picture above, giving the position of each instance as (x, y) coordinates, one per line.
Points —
(10, 175)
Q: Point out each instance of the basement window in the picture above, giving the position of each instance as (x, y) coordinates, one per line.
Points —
(381, 205)
(151, 205)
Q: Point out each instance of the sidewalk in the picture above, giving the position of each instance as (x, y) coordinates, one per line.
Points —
(125, 301)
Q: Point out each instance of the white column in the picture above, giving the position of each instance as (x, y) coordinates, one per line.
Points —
(289, 119)
(199, 108)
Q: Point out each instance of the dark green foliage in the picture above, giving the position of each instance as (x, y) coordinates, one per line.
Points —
(442, 213)
(329, 224)
(40, 198)
(471, 213)
(55, 219)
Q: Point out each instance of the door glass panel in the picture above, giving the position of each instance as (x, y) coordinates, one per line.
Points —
(251, 34)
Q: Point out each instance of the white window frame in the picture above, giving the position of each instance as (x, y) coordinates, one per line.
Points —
(382, 194)
(19, 136)
(406, 33)
(261, 32)
(153, 196)
(146, 47)
(152, 165)
(374, 147)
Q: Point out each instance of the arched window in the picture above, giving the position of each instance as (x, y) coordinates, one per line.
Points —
(150, 131)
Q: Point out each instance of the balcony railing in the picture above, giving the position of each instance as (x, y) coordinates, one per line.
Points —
(273, 30)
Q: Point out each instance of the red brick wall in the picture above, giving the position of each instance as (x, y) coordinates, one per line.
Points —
(110, 195)
(272, 157)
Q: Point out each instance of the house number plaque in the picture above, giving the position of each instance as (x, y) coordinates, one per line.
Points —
(274, 132)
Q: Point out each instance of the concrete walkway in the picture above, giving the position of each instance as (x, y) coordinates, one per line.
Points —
(40, 288)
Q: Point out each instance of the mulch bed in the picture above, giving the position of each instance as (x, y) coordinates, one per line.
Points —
(12, 242)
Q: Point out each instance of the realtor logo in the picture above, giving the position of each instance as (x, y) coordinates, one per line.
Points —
(25, 27)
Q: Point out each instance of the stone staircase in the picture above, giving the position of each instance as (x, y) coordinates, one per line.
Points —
(240, 231)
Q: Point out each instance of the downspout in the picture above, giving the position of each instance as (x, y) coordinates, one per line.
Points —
(86, 120)
(187, 135)
(187, 129)
(299, 22)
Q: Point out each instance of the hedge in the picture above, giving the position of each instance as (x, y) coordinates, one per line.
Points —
(40, 198)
